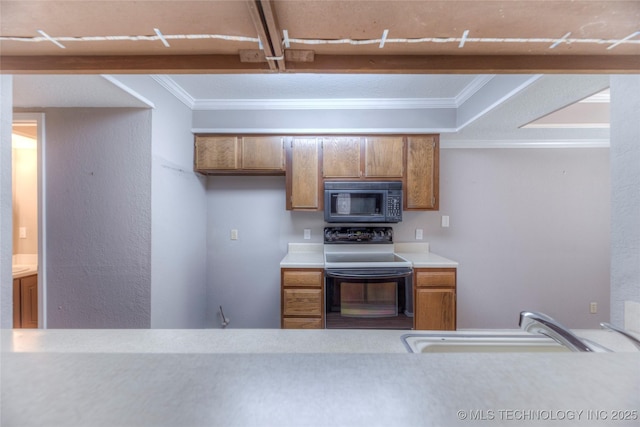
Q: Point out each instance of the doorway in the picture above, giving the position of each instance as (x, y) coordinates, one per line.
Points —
(28, 256)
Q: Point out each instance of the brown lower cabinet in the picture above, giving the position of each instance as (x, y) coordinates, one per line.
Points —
(25, 302)
(302, 298)
(302, 302)
(435, 299)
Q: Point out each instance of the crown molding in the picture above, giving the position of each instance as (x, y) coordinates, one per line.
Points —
(598, 98)
(175, 89)
(321, 131)
(325, 104)
(473, 87)
(525, 143)
(322, 104)
(567, 126)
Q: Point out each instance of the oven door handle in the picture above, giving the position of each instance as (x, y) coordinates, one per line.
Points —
(368, 274)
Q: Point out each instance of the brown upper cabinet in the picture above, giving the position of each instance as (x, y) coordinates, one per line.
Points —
(383, 157)
(341, 157)
(303, 177)
(422, 173)
(362, 157)
(309, 160)
(224, 154)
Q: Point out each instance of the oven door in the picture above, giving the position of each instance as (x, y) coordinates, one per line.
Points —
(369, 298)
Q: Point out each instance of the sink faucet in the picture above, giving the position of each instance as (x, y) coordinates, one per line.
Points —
(540, 323)
(621, 331)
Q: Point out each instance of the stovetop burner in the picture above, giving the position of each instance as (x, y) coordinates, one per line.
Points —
(361, 247)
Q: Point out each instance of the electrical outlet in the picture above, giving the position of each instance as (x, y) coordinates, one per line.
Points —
(234, 234)
(22, 231)
(419, 234)
(593, 307)
(307, 233)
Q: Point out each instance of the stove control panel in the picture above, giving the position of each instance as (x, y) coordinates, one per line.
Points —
(358, 235)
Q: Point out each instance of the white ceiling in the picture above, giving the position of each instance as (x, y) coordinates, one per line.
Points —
(323, 86)
(103, 91)
(502, 114)
(44, 91)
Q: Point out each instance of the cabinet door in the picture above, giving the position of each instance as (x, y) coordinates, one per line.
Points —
(17, 307)
(303, 179)
(29, 301)
(435, 309)
(341, 157)
(217, 153)
(262, 153)
(421, 189)
(384, 157)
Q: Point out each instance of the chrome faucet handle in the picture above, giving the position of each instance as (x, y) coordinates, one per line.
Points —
(621, 331)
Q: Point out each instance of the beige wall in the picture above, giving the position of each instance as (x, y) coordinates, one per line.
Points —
(25, 200)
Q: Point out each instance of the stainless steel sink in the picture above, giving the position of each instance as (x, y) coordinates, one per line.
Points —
(479, 343)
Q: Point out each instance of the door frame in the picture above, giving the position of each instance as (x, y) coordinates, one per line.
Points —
(39, 119)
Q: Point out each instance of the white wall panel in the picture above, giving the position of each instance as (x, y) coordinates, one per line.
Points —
(98, 220)
(625, 196)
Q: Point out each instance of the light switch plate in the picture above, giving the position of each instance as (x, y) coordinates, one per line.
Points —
(307, 233)
(419, 234)
(23, 232)
(445, 220)
(234, 234)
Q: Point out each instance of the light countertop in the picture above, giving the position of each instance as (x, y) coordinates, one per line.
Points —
(237, 341)
(24, 265)
(293, 378)
(311, 255)
(24, 270)
(304, 255)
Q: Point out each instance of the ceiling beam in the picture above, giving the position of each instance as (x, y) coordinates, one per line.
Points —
(380, 64)
(469, 64)
(263, 33)
(273, 30)
(128, 64)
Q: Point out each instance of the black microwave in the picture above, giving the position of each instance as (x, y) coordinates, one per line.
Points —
(363, 201)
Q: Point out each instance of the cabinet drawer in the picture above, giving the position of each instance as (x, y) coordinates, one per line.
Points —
(302, 302)
(302, 323)
(302, 278)
(436, 278)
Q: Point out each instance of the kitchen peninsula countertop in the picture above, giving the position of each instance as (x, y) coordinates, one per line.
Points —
(292, 378)
(311, 255)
